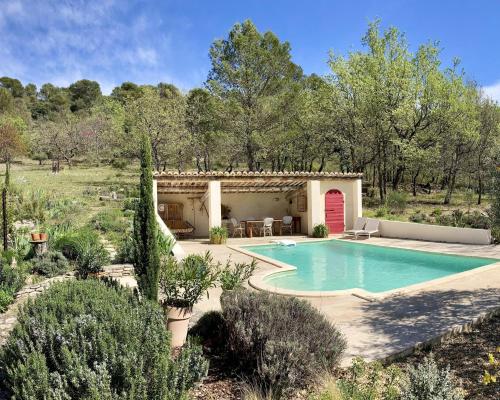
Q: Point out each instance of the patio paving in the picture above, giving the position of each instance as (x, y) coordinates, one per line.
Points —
(381, 328)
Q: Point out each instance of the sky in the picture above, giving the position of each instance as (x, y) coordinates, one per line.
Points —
(146, 41)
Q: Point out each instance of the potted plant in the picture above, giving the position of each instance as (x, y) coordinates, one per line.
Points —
(218, 235)
(233, 277)
(43, 234)
(320, 231)
(182, 284)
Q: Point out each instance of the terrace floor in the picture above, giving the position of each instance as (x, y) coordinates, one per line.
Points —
(382, 328)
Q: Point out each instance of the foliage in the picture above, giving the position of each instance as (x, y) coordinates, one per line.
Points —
(11, 280)
(428, 382)
(495, 206)
(125, 251)
(87, 340)
(6, 299)
(50, 264)
(147, 262)
(396, 202)
(218, 235)
(183, 283)
(92, 256)
(492, 372)
(371, 381)
(320, 231)
(110, 220)
(280, 343)
(234, 276)
(418, 217)
(210, 328)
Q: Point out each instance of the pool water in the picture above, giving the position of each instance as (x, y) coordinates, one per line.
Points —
(336, 265)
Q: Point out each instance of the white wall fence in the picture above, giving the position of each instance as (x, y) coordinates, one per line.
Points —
(434, 233)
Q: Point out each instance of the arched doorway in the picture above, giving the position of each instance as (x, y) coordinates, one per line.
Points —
(334, 211)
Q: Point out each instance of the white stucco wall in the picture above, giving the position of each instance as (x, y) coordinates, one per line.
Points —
(434, 233)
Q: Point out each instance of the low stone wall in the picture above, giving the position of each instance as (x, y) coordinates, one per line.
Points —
(434, 233)
(9, 317)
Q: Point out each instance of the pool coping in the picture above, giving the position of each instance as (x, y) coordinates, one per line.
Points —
(257, 280)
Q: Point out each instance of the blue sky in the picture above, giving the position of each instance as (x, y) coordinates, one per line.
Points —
(112, 41)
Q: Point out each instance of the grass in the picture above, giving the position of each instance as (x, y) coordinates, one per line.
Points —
(427, 203)
(80, 185)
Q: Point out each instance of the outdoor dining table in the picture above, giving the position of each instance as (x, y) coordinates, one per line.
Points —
(251, 223)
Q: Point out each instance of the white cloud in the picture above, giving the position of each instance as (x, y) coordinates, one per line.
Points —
(493, 91)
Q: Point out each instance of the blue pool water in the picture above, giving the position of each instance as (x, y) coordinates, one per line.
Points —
(336, 265)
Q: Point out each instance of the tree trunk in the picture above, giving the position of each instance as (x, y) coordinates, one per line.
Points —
(414, 182)
(479, 189)
(451, 187)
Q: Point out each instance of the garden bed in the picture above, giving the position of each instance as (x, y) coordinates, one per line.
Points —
(466, 353)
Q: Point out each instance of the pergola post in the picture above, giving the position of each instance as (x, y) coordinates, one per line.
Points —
(314, 211)
(214, 204)
(357, 200)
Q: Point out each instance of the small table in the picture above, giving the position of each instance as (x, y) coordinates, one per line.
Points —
(39, 246)
(249, 225)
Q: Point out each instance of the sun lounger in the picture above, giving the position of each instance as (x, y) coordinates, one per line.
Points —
(359, 225)
(371, 228)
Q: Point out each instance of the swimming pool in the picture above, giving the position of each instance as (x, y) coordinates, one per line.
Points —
(339, 265)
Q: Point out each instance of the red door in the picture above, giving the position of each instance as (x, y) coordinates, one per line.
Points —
(334, 211)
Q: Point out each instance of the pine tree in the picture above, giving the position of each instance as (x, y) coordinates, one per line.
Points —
(147, 262)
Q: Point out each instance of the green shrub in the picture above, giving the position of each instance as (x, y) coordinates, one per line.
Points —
(492, 371)
(87, 340)
(110, 220)
(233, 277)
(50, 264)
(476, 219)
(119, 163)
(280, 343)
(381, 212)
(418, 217)
(218, 235)
(370, 381)
(6, 299)
(436, 212)
(428, 382)
(130, 204)
(396, 202)
(495, 234)
(183, 283)
(92, 256)
(320, 231)
(211, 330)
(11, 281)
(70, 243)
(125, 250)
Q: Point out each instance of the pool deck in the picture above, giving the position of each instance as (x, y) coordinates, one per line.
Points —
(381, 328)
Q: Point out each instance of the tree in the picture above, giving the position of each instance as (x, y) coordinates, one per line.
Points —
(252, 73)
(162, 119)
(147, 262)
(84, 94)
(209, 141)
(61, 139)
(14, 86)
(126, 92)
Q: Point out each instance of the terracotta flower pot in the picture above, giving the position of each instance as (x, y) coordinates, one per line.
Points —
(44, 236)
(35, 237)
(178, 323)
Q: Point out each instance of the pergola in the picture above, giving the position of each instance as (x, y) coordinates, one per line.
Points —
(209, 187)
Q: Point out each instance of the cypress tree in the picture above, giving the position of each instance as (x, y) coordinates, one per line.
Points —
(147, 261)
(495, 205)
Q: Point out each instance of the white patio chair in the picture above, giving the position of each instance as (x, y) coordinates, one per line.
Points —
(359, 225)
(286, 224)
(267, 227)
(237, 227)
(371, 228)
